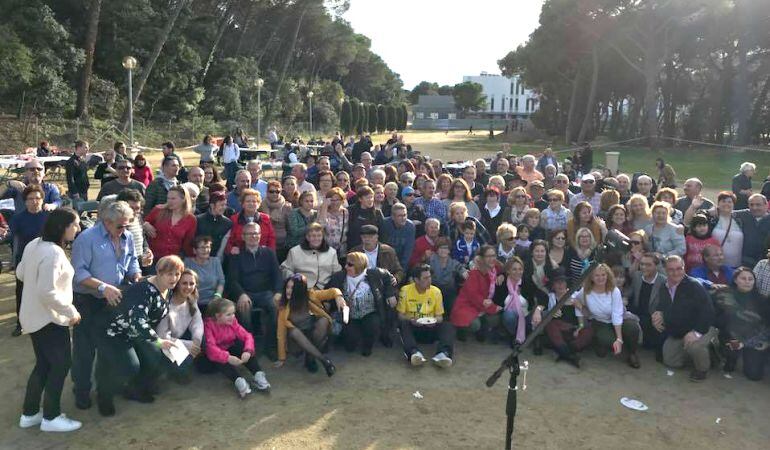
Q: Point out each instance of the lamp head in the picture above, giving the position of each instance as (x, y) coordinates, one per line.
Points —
(129, 62)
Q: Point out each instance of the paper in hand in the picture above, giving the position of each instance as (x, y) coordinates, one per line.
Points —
(177, 353)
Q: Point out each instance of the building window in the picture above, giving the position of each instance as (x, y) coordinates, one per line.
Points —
(511, 87)
(452, 116)
(517, 104)
(492, 105)
(420, 115)
(434, 116)
(510, 104)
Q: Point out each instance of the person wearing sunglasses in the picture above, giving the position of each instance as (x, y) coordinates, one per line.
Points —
(34, 174)
(114, 186)
(587, 194)
(104, 258)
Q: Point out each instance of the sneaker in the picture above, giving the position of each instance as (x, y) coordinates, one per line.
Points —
(242, 387)
(442, 360)
(261, 380)
(31, 421)
(417, 359)
(60, 424)
(697, 376)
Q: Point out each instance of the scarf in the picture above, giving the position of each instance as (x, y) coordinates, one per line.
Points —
(270, 206)
(492, 278)
(353, 283)
(513, 302)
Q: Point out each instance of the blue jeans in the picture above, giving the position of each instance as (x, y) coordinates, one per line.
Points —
(511, 321)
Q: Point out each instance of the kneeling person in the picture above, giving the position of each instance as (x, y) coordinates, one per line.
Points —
(421, 315)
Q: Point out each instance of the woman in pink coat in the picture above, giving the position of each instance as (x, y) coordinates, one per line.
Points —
(474, 307)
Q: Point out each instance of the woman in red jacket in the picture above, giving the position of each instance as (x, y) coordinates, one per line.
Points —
(250, 200)
(171, 227)
(474, 307)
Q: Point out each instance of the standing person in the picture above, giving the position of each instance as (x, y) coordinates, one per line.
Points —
(213, 222)
(104, 258)
(43, 149)
(686, 314)
(666, 174)
(335, 220)
(279, 210)
(755, 224)
(418, 301)
(157, 190)
(602, 303)
(231, 153)
(742, 185)
(46, 314)
(207, 150)
(77, 173)
(106, 171)
(171, 227)
(725, 228)
(26, 225)
(142, 172)
(34, 174)
(299, 219)
(128, 343)
(251, 201)
(123, 181)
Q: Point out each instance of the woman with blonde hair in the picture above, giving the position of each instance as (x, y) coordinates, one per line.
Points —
(602, 304)
(639, 214)
(518, 200)
(664, 237)
(171, 226)
(333, 216)
(581, 255)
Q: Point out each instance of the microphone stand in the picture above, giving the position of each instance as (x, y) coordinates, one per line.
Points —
(511, 363)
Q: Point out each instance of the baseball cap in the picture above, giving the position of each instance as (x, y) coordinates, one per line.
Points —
(407, 190)
(588, 177)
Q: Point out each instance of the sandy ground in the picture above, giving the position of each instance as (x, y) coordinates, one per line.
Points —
(370, 404)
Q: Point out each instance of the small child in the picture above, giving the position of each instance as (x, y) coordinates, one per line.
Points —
(522, 240)
(231, 348)
(698, 238)
(532, 219)
(467, 244)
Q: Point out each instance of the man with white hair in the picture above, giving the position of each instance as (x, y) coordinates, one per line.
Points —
(196, 176)
(257, 183)
(742, 185)
(377, 177)
(527, 170)
(692, 188)
(366, 160)
(624, 188)
(546, 159)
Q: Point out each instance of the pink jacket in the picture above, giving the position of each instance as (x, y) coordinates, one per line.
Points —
(220, 337)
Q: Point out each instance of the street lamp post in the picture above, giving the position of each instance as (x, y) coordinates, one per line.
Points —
(310, 104)
(260, 82)
(129, 63)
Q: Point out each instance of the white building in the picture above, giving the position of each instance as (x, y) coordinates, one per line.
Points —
(506, 96)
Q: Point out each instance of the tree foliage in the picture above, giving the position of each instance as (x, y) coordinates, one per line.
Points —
(382, 119)
(469, 96)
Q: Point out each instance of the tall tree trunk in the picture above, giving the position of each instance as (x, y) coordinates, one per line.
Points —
(286, 62)
(224, 23)
(742, 102)
(81, 110)
(759, 103)
(159, 44)
(572, 108)
(591, 102)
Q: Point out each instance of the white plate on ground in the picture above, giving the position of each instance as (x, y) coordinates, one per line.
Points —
(426, 320)
(632, 403)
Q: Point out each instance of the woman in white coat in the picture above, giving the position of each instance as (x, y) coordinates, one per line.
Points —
(46, 314)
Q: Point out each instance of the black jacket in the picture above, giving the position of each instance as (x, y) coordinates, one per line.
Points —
(77, 176)
(360, 217)
(379, 280)
(214, 226)
(253, 272)
(690, 309)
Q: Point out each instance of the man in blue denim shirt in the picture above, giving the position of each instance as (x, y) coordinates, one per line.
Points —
(399, 233)
(104, 258)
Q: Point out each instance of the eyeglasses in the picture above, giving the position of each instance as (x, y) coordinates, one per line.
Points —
(559, 238)
(273, 192)
(122, 227)
(251, 234)
(34, 169)
(124, 168)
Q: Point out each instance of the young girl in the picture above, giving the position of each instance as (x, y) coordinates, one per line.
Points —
(183, 324)
(467, 245)
(532, 220)
(301, 317)
(698, 238)
(522, 240)
(231, 348)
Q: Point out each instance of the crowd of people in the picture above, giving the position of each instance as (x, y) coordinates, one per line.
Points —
(205, 268)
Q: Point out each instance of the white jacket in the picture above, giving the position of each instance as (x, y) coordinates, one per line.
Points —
(47, 296)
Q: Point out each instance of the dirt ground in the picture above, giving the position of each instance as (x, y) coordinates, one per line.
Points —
(369, 404)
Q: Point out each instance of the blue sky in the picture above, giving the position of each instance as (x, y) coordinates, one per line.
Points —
(442, 40)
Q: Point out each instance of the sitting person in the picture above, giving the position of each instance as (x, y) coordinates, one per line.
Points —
(379, 254)
(127, 342)
(301, 317)
(254, 280)
(446, 273)
(762, 274)
(231, 348)
(713, 268)
(474, 307)
(171, 226)
(312, 258)
(685, 313)
(425, 245)
(744, 324)
(698, 238)
(523, 241)
(210, 278)
(510, 296)
(467, 245)
(566, 331)
(183, 325)
(602, 303)
(421, 313)
(369, 293)
(646, 286)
